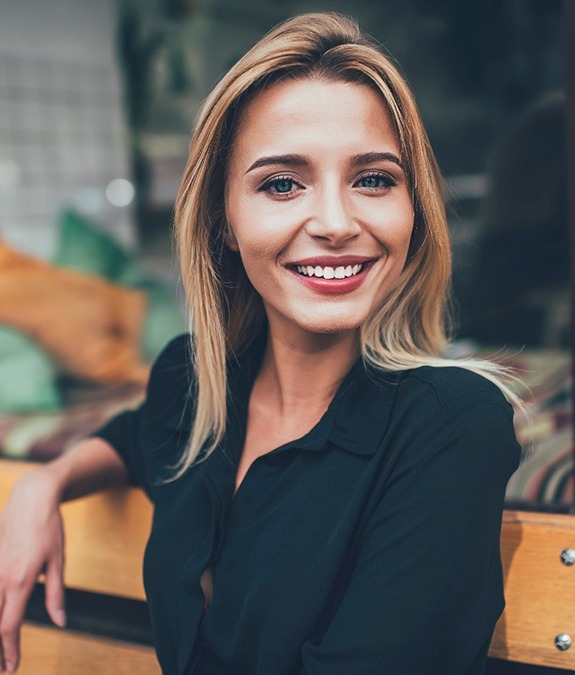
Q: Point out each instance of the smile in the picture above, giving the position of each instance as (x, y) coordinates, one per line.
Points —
(340, 272)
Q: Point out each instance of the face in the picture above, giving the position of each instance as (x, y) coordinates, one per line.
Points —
(318, 204)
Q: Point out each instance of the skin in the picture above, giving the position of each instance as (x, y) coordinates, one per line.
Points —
(335, 188)
(31, 534)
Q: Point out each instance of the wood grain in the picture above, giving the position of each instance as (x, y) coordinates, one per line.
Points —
(49, 651)
(105, 534)
(539, 590)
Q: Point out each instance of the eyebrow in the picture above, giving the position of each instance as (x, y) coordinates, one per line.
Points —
(370, 157)
(299, 160)
(287, 160)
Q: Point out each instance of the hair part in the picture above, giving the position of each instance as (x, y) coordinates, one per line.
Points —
(409, 329)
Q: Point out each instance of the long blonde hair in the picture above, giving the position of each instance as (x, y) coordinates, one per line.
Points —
(410, 328)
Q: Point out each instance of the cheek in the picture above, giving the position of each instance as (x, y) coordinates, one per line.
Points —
(260, 232)
(394, 231)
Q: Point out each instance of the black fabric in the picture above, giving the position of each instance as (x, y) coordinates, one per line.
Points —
(370, 545)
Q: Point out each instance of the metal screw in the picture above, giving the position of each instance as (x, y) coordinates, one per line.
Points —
(568, 556)
(563, 641)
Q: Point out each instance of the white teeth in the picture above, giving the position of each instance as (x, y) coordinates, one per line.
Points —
(329, 272)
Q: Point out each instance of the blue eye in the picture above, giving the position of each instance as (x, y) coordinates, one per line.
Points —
(282, 185)
(374, 181)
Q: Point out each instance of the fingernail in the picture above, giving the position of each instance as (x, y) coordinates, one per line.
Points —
(10, 666)
(60, 618)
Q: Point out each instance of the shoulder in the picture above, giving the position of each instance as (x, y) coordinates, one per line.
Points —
(437, 400)
(174, 361)
(443, 411)
(171, 378)
(451, 385)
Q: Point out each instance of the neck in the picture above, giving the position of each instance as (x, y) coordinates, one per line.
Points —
(301, 373)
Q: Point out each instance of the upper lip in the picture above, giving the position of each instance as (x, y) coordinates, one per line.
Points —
(333, 261)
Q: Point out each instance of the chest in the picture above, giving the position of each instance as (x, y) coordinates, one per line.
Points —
(278, 544)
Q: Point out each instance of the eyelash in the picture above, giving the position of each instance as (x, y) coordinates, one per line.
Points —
(272, 182)
(387, 181)
(269, 185)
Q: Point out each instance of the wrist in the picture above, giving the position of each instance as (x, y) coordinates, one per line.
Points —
(46, 482)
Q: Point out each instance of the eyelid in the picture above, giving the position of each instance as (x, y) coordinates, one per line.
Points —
(380, 173)
(267, 183)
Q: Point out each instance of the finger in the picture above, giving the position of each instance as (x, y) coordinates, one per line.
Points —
(10, 622)
(2, 667)
(54, 591)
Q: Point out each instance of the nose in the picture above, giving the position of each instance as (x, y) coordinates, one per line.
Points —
(332, 218)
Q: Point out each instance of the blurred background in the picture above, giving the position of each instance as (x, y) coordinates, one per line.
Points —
(97, 104)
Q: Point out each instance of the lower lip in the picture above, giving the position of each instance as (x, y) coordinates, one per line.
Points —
(333, 286)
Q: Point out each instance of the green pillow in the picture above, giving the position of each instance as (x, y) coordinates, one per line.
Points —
(28, 376)
(84, 247)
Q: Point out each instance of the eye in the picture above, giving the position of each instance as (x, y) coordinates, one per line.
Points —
(280, 186)
(376, 180)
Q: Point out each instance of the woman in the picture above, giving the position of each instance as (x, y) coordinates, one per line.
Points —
(327, 491)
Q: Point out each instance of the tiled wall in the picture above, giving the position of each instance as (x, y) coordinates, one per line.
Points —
(62, 140)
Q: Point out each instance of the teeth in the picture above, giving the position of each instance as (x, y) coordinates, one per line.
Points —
(330, 272)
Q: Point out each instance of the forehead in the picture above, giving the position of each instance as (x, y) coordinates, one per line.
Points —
(301, 115)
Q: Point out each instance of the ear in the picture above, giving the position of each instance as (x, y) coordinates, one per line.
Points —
(230, 239)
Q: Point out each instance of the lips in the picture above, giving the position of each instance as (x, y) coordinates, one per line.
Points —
(332, 274)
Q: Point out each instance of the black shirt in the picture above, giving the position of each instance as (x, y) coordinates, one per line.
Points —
(368, 546)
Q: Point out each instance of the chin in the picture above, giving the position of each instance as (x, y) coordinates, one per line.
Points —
(330, 325)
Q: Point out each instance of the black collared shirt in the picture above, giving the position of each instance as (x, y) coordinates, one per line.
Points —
(368, 546)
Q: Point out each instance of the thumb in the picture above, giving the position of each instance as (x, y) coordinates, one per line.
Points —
(54, 591)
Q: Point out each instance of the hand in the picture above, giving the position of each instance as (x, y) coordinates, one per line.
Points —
(31, 542)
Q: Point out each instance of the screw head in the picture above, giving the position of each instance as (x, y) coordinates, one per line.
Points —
(568, 556)
(563, 641)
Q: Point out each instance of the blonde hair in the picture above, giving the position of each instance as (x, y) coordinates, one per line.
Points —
(409, 328)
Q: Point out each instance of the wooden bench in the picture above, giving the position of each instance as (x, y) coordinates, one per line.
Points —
(105, 539)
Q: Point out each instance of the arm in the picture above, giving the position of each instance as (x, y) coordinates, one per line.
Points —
(31, 535)
(426, 587)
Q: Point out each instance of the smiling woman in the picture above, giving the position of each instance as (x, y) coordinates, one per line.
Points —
(326, 485)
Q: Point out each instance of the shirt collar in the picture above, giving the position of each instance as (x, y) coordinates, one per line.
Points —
(356, 419)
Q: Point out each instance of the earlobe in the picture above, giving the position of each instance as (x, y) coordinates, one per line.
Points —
(230, 239)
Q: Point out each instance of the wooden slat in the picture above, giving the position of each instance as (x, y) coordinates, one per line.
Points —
(539, 590)
(50, 651)
(105, 536)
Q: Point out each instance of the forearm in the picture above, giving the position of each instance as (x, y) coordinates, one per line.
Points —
(90, 466)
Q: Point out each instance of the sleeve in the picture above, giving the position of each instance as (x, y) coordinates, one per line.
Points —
(131, 432)
(426, 588)
(123, 433)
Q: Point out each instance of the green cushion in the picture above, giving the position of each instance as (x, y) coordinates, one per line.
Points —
(84, 247)
(28, 376)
